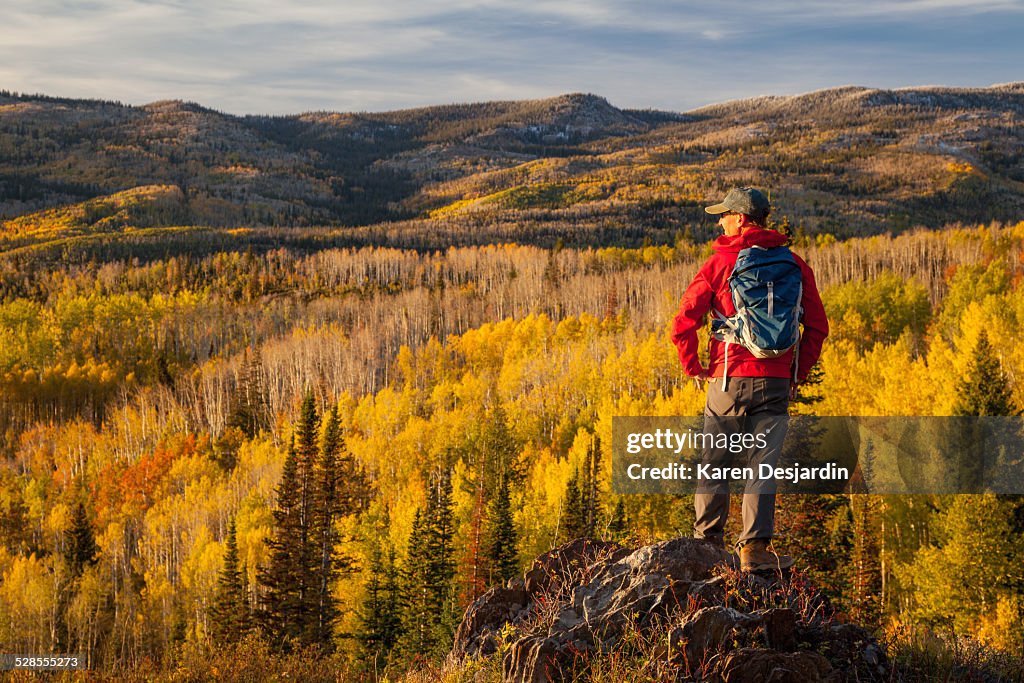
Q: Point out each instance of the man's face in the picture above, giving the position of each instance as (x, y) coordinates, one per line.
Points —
(730, 222)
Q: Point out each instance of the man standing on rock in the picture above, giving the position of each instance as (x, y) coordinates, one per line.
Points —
(759, 294)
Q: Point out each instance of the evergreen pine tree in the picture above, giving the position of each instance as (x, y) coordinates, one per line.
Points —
(415, 590)
(80, 549)
(351, 486)
(391, 625)
(230, 613)
(246, 616)
(290, 613)
(429, 603)
(985, 390)
(574, 522)
(552, 272)
(501, 537)
(299, 608)
(371, 614)
(618, 525)
(326, 509)
(305, 544)
(281, 607)
(342, 490)
(441, 567)
(381, 611)
(865, 568)
(248, 405)
(500, 452)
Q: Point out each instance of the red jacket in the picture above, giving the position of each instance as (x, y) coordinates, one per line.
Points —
(710, 289)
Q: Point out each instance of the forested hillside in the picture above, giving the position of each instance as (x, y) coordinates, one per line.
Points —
(849, 161)
(151, 410)
(292, 392)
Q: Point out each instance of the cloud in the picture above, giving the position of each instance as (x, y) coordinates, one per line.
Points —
(281, 56)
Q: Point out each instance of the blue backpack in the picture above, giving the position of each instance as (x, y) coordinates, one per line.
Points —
(767, 288)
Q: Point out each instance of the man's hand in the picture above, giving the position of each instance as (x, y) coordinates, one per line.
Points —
(794, 390)
(701, 379)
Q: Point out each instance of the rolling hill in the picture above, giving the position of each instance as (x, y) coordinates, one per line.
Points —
(848, 161)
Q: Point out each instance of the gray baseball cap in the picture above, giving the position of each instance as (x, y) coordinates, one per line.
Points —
(743, 200)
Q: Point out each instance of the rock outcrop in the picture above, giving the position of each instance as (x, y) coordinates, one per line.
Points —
(677, 608)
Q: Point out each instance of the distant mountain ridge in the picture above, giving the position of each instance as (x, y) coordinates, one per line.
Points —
(846, 160)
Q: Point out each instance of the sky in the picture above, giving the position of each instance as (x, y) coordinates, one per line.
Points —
(291, 56)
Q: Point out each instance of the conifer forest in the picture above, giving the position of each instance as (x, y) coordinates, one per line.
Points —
(280, 397)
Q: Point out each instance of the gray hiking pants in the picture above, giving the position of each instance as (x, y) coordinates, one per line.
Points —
(756, 402)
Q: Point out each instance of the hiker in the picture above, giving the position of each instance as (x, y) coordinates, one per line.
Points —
(740, 383)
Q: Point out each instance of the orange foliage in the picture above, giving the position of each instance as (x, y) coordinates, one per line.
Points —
(131, 489)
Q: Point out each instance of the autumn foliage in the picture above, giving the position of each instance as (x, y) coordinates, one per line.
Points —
(157, 406)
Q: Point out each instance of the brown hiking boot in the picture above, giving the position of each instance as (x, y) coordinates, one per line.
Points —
(755, 557)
